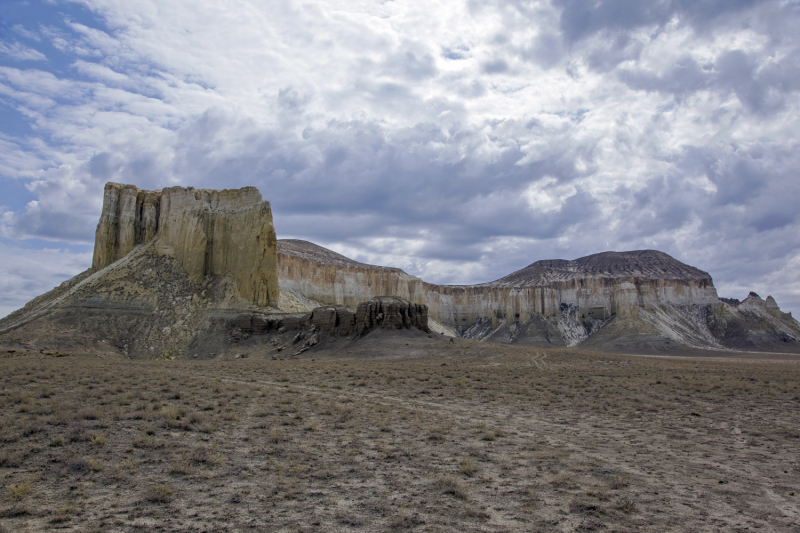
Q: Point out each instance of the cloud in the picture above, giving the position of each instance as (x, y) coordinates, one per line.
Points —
(580, 20)
(21, 52)
(34, 272)
(460, 141)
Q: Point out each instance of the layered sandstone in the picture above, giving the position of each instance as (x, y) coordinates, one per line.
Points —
(598, 286)
(339, 320)
(209, 232)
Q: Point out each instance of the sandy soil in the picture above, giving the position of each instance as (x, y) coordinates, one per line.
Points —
(401, 433)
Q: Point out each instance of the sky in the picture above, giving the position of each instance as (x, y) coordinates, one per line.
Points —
(459, 140)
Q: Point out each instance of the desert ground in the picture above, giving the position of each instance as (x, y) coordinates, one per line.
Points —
(401, 432)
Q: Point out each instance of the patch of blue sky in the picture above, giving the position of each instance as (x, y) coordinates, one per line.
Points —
(12, 122)
(48, 28)
(35, 23)
(14, 195)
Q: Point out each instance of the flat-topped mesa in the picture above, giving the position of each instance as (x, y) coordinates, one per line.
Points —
(598, 286)
(640, 265)
(209, 232)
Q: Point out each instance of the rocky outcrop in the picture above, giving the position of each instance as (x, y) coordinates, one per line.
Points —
(209, 233)
(328, 326)
(754, 324)
(657, 302)
(186, 272)
(598, 286)
(340, 320)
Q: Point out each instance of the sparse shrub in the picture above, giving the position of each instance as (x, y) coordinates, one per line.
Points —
(207, 427)
(170, 413)
(626, 505)
(98, 440)
(145, 441)
(89, 413)
(584, 506)
(276, 436)
(78, 435)
(20, 491)
(467, 466)
(57, 441)
(348, 519)
(160, 493)
(94, 465)
(406, 521)
(179, 469)
(8, 460)
(451, 485)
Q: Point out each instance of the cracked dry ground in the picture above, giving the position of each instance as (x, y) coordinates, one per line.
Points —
(473, 437)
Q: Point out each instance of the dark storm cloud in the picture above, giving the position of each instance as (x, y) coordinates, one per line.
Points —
(608, 55)
(663, 205)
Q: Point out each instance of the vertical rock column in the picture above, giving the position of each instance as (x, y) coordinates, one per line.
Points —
(120, 227)
(208, 232)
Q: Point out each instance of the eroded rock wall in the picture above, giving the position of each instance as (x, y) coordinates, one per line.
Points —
(209, 232)
(596, 298)
(347, 284)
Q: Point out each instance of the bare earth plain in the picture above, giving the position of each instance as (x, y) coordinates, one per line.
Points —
(401, 432)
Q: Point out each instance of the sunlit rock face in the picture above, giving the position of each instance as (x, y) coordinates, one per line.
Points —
(209, 232)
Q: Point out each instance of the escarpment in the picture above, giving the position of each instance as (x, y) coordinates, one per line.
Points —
(655, 301)
(184, 272)
(597, 287)
(209, 233)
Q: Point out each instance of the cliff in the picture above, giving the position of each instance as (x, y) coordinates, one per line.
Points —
(655, 301)
(170, 269)
(208, 232)
(598, 286)
(173, 268)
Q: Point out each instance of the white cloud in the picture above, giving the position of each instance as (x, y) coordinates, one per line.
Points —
(21, 52)
(34, 272)
(455, 140)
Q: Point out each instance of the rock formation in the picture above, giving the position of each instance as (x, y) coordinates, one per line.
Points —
(388, 313)
(598, 286)
(186, 272)
(662, 302)
(208, 232)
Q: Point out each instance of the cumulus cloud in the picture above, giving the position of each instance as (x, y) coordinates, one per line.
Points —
(457, 140)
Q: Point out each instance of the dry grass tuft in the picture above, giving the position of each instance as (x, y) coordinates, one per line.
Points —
(160, 493)
(451, 485)
(20, 491)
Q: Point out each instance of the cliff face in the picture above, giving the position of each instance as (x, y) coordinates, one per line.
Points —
(170, 268)
(596, 287)
(642, 302)
(208, 232)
